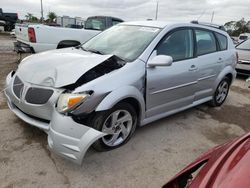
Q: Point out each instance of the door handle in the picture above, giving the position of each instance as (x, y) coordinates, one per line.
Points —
(193, 68)
(220, 60)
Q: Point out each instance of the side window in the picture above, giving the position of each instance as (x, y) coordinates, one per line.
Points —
(206, 42)
(222, 41)
(178, 45)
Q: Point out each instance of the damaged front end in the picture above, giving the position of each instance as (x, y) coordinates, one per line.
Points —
(59, 116)
(69, 135)
(69, 139)
(109, 65)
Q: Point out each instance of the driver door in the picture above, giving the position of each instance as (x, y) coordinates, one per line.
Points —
(172, 87)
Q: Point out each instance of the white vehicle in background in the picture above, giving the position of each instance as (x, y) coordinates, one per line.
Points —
(243, 37)
(39, 38)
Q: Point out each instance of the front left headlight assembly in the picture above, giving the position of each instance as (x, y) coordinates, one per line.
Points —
(69, 101)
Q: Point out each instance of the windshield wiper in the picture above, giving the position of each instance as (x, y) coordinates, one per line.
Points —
(123, 59)
(95, 51)
(90, 50)
(98, 52)
(80, 46)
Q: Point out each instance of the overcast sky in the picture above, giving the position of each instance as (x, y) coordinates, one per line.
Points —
(169, 10)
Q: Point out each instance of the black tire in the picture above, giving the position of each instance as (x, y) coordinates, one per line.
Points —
(215, 102)
(97, 122)
(6, 28)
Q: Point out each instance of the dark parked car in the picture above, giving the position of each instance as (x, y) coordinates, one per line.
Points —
(243, 66)
(225, 166)
(9, 20)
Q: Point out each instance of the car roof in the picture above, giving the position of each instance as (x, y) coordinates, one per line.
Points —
(159, 24)
(163, 24)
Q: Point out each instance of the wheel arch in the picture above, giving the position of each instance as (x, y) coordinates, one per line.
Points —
(134, 103)
(226, 72)
(67, 43)
(128, 94)
(230, 77)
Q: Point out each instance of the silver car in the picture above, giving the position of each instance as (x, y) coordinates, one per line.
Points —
(243, 66)
(132, 74)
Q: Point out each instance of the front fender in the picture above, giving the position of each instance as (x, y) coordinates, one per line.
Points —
(120, 94)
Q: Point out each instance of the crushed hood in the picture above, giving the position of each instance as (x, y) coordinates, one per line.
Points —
(58, 68)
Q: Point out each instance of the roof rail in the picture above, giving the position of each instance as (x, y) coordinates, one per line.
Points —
(221, 27)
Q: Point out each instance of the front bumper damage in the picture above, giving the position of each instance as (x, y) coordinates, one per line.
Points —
(70, 139)
(66, 138)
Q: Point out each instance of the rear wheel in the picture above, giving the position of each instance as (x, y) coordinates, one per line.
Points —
(221, 93)
(118, 123)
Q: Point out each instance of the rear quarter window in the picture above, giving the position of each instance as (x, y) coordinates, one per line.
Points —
(222, 41)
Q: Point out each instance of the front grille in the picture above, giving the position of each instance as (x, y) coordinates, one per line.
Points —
(18, 87)
(38, 95)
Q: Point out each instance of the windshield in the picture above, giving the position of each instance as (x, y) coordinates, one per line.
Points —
(244, 45)
(126, 42)
(95, 23)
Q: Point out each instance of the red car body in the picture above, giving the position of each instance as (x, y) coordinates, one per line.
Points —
(225, 166)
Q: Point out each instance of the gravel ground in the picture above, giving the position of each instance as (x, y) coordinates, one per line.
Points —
(155, 153)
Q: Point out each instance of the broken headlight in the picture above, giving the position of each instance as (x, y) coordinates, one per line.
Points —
(69, 101)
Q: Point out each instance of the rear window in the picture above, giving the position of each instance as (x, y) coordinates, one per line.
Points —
(95, 24)
(222, 41)
(243, 37)
(206, 42)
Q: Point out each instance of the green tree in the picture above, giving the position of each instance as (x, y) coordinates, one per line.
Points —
(28, 16)
(34, 19)
(51, 16)
(230, 25)
(235, 28)
(31, 18)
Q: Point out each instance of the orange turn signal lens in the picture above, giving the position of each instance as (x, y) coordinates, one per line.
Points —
(67, 101)
(74, 100)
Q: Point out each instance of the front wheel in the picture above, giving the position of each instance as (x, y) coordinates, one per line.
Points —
(221, 93)
(118, 123)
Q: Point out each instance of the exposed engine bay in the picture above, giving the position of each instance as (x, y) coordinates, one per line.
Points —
(109, 65)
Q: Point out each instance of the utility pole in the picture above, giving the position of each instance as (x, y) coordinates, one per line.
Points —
(42, 10)
(156, 12)
(212, 19)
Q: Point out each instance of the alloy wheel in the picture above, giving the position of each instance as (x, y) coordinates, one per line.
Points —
(118, 126)
(222, 92)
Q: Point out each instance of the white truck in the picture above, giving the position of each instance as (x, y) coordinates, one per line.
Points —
(38, 38)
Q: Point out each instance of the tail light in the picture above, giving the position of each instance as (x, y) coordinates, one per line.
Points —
(32, 34)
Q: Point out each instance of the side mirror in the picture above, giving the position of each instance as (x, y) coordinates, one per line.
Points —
(161, 60)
